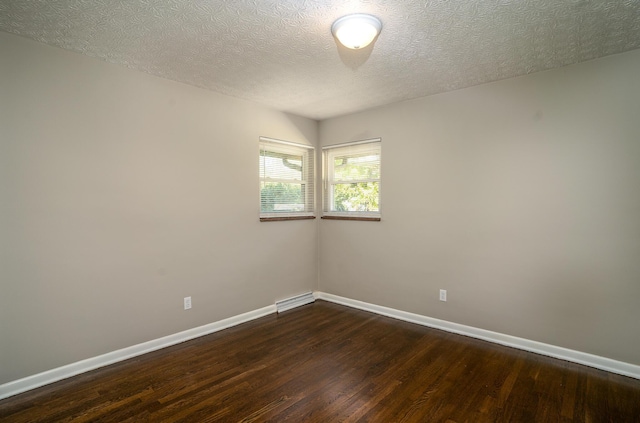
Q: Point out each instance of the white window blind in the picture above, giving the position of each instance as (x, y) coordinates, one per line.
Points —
(286, 179)
(352, 179)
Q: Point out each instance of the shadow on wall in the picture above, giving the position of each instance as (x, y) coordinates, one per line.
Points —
(307, 132)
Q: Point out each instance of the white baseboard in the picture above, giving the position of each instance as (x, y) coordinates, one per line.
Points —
(603, 363)
(54, 375)
(293, 302)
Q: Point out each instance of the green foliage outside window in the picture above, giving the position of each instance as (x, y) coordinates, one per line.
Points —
(281, 197)
(356, 167)
(356, 196)
(361, 196)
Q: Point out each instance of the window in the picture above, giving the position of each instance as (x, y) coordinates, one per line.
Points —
(352, 180)
(286, 180)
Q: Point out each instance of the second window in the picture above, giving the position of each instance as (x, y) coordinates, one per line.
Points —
(352, 179)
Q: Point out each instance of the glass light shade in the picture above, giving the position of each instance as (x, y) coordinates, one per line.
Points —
(356, 31)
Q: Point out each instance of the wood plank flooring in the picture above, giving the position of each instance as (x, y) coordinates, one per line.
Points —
(328, 363)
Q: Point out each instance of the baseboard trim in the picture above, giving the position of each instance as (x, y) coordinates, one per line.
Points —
(54, 375)
(293, 302)
(591, 360)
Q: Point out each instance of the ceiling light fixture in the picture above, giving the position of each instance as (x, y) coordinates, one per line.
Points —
(356, 31)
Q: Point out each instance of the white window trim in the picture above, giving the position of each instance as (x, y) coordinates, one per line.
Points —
(287, 147)
(329, 153)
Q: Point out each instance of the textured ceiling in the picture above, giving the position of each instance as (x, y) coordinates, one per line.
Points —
(281, 52)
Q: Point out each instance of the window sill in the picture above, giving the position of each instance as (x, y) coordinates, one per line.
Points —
(283, 218)
(360, 218)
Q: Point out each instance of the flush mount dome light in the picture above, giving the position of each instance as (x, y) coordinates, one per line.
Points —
(356, 31)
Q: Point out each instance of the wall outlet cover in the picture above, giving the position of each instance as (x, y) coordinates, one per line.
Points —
(443, 295)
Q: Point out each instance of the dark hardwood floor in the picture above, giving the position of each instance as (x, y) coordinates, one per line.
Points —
(328, 363)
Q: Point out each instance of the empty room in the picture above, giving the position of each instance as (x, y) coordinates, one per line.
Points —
(320, 211)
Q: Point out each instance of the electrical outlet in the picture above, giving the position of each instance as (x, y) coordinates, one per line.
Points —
(443, 295)
(187, 303)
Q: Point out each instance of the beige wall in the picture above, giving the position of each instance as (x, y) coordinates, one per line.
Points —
(520, 197)
(122, 193)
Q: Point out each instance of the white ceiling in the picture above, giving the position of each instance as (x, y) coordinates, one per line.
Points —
(281, 52)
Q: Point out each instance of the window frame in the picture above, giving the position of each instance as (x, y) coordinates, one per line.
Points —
(330, 153)
(307, 182)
